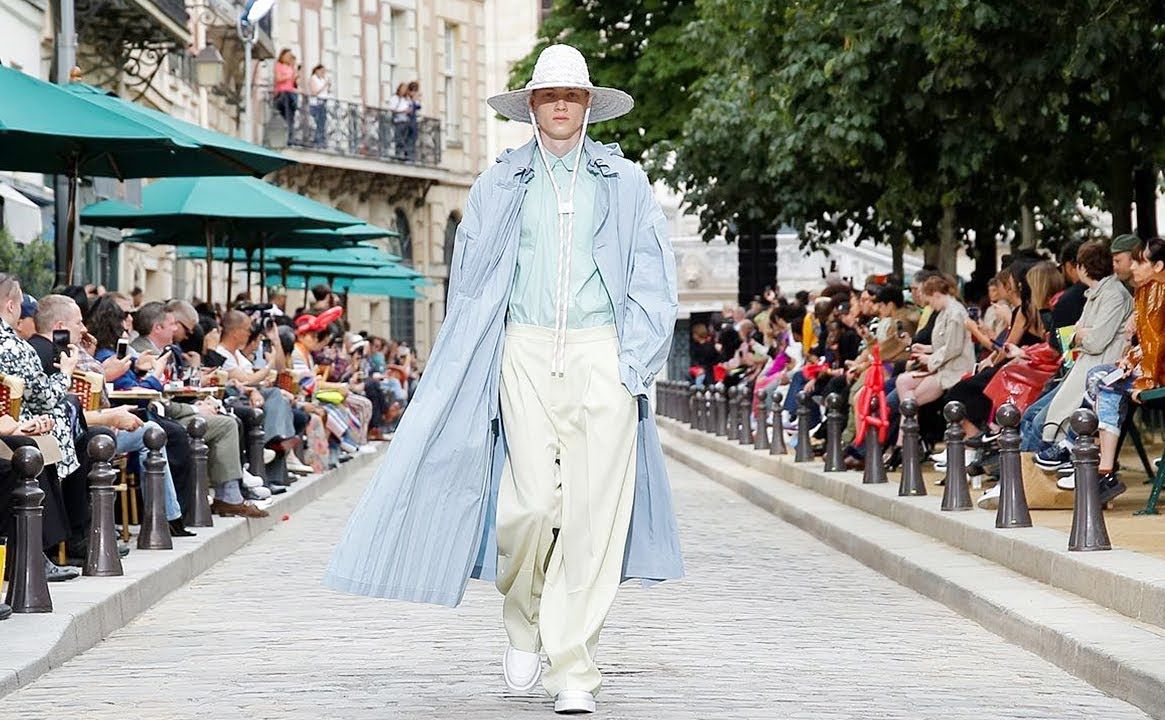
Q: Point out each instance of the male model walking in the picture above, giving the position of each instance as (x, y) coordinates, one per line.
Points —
(528, 454)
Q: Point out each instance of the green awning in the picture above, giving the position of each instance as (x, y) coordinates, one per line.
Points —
(346, 255)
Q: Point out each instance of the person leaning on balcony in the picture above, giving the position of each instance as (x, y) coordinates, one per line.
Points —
(401, 107)
(285, 89)
(319, 86)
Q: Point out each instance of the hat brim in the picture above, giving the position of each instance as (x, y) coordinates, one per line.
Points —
(606, 103)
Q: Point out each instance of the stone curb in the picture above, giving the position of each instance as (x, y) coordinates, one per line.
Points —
(1126, 581)
(1106, 649)
(89, 609)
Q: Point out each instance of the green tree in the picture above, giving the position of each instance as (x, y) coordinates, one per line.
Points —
(31, 263)
(636, 46)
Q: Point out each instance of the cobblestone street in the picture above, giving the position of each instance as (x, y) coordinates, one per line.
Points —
(770, 624)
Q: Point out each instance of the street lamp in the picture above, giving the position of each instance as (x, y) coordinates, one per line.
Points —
(253, 12)
(208, 67)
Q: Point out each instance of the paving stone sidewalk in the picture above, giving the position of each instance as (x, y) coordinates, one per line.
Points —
(770, 624)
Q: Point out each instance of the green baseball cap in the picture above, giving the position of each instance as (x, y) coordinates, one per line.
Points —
(1124, 243)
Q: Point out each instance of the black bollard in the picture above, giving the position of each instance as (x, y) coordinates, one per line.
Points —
(777, 444)
(804, 452)
(1088, 529)
(681, 401)
(834, 426)
(255, 437)
(732, 429)
(709, 414)
(875, 470)
(720, 408)
(695, 407)
(155, 531)
(663, 404)
(28, 591)
(911, 483)
(744, 414)
(102, 559)
(761, 440)
(198, 512)
(956, 494)
(1012, 511)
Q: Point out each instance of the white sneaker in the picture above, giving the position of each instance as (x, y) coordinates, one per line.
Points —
(260, 493)
(295, 466)
(366, 449)
(1067, 482)
(250, 480)
(268, 455)
(940, 456)
(522, 669)
(574, 702)
(263, 504)
(348, 447)
(990, 499)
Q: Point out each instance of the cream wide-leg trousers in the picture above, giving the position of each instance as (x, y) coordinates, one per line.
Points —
(561, 530)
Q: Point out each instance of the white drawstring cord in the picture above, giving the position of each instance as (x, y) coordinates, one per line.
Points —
(565, 244)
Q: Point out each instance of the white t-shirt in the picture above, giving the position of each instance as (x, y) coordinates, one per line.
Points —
(318, 87)
(234, 360)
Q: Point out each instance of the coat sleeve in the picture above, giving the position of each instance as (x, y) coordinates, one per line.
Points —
(954, 338)
(468, 232)
(650, 314)
(1112, 313)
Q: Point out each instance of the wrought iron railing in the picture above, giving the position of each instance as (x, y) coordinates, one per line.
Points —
(343, 128)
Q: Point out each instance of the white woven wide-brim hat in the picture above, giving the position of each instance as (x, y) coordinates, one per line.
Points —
(562, 66)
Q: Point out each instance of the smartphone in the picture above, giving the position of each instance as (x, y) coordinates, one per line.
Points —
(973, 312)
(1112, 377)
(122, 348)
(61, 342)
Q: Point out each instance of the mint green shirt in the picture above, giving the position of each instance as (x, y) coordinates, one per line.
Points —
(533, 299)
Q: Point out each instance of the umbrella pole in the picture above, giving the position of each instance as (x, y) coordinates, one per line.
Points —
(284, 266)
(209, 261)
(250, 255)
(71, 225)
(263, 266)
(230, 277)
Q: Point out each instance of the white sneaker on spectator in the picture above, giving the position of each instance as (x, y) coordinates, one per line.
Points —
(940, 456)
(262, 504)
(1067, 482)
(261, 492)
(295, 466)
(366, 449)
(990, 499)
(268, 455)
(348, 447)
(251, 480)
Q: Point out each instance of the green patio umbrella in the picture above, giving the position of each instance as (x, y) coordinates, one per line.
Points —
(363, 259)
(277, 244)
(393, 288)
(223, 154)
(245, 207)
(352, 232)
(47, 129)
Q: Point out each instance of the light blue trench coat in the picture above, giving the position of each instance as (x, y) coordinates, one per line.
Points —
(426, 522)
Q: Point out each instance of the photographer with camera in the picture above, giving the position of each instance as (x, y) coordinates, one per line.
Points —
(243, 343)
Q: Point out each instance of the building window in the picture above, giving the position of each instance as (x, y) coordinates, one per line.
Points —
(452, 111)
(394, 48)
(402, 312)
(371, 49)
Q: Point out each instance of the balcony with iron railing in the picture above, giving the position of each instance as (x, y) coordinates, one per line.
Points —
(298, 121)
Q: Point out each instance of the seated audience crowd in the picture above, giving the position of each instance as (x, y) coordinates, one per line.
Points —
(83, 361)
(1051, 337)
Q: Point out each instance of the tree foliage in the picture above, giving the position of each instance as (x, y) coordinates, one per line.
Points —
(640, 47)
(31, 263)
(887, 120)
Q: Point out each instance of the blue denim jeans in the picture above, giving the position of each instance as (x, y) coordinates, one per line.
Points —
(1031, 425)
(134, 441)
(1108, 401)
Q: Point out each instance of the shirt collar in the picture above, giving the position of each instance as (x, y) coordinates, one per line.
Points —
(566, 162)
